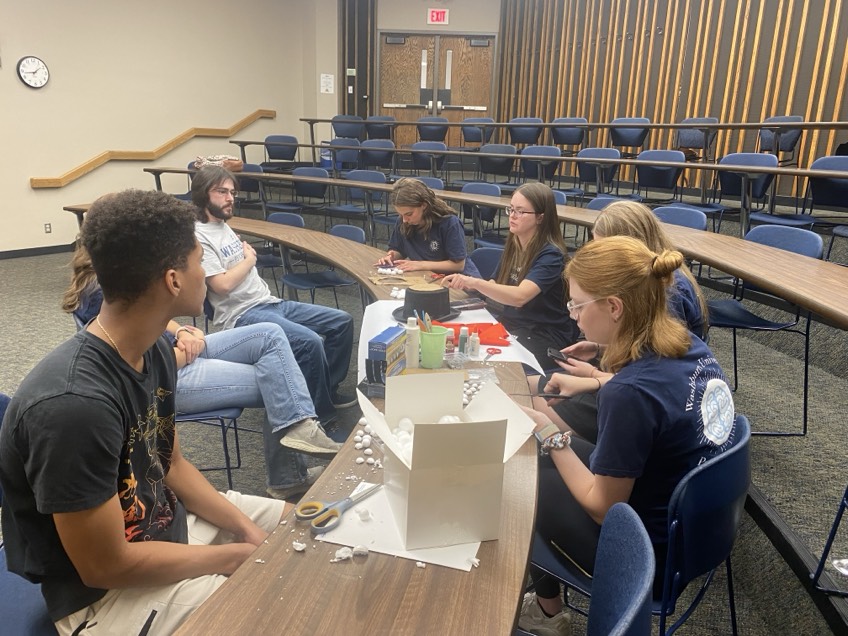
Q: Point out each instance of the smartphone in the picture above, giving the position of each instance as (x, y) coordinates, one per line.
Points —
(551, 396)
(556, 354)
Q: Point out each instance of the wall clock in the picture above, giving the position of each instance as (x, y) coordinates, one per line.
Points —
(33, 72)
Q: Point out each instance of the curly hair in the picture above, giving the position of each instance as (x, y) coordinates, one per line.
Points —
(412, 193)
(135, 236)
(541, 199)
(624, 267)
(631, 218)
(204, 180)
(83, 279)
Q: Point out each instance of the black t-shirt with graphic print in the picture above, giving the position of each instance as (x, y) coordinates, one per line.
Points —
(83, 427)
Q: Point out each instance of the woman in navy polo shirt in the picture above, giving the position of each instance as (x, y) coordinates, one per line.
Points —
(428, 234)
(667, 409)
(528, 282)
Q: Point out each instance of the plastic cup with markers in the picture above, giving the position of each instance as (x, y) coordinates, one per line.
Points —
(433, 347)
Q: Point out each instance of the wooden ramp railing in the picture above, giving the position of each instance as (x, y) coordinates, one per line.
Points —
(147, 155)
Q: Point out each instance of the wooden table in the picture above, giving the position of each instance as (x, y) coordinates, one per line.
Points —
(303, 593)
(817, 285)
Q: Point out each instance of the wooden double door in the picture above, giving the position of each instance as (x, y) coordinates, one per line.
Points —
(449, 76)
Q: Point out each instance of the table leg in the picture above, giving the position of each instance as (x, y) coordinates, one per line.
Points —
(745, 206)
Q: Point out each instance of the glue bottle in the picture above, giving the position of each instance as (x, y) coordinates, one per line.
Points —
(413, 339)
(463, 340)
(474, 345)
(450, 346)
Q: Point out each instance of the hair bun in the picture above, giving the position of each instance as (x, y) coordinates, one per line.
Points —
(666, 262)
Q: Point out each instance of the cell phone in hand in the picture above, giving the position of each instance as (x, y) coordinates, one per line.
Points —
(556, 354)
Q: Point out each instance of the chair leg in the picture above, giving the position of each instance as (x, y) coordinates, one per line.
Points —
(806, 372)
(735, 364)
(827, 546)
(730, 597)
(227, 466)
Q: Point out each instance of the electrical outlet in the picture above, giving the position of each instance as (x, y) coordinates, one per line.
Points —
(48, 228)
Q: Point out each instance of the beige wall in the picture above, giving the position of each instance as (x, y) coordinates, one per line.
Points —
(466, 16)
(130, 76)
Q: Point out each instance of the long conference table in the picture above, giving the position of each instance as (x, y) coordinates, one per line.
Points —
(812, 284)
(816, 285)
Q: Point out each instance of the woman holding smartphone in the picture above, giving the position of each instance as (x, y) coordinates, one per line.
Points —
(666, 409)
(528, 282)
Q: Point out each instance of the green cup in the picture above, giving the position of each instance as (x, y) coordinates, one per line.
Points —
(433, 347)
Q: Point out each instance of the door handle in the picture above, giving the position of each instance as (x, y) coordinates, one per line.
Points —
(430, 105)
(439, 106)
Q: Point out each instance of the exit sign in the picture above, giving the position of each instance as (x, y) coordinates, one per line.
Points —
(437, 16)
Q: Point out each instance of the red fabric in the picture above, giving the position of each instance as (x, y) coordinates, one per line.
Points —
(490, 334)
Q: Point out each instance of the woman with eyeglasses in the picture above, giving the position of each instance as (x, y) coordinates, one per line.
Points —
(667, 409)
(582, 380)
(528, 281)
(428, 234)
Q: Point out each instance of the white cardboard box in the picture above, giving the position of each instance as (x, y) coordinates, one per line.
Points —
(450, 491)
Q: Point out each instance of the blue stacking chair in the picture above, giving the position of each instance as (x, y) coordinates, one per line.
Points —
(21, 604)
(345, 154)
(527, 133)
(703, 517)
(685, 217)
(224, 419)
(587, 172)
(659, 177)
(428, 156)
(623, 578)
(629, 137)
(733, 314)
(485, 220)
(352, 126)
(537, 169)
(432, 129)
(692, 139)
(434, 183)
(789, 138)
(308, 197)
(828, 191)
(496, 166)
(251, 195)
(474, 131)
(380, 127)
(730, 184)
(280, 158)
(361, 203)
(379, 154)
(487, 260)
(326, 279)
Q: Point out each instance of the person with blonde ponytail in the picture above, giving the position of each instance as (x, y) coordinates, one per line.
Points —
(685, 302)
(428, 234)
(667, 409)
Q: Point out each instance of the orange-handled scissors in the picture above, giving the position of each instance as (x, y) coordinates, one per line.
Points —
(323, 517)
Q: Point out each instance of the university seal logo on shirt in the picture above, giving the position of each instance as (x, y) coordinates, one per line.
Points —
(717, 412)
(434, 246)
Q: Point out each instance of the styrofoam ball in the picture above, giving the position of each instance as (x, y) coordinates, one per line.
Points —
(406, 424)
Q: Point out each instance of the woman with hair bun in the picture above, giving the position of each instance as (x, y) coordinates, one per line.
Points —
(667, 409)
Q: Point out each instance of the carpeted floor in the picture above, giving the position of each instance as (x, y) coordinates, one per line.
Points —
(803, 477)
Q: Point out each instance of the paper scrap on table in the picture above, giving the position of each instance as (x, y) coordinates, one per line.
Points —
(380, 534)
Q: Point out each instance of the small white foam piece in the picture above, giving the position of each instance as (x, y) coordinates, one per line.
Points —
(364, 514)
(370, 461)
(368, 451)
(357, 438)
(360, 460)
(449, 419)
(366, 441)
(420, 564)
(360, 550)
(367, 429)
(358, 446)
(474, 561)
(406, 424)
(342, 554)
(259, 561)
(362, 421)
(298, 546)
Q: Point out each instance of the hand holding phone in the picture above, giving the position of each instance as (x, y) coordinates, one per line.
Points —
(556, 354)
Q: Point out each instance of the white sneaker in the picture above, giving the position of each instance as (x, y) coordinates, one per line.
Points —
(533, 619)
(307, 436)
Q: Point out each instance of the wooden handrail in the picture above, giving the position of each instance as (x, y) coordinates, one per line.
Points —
(147, 155)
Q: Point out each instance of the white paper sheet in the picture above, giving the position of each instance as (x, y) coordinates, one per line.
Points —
(380, 534)
(378, 316)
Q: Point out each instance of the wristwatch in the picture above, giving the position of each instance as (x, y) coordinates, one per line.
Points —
(556, 442)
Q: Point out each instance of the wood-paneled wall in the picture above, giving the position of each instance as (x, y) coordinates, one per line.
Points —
(738, 60)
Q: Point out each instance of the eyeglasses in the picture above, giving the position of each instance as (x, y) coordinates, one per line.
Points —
(511, 211)
(572, 308)
(225, 191)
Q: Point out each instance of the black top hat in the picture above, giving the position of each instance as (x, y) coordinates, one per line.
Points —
(434, 300)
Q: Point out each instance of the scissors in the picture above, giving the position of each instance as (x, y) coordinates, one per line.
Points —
(492, 351)
(323, 517)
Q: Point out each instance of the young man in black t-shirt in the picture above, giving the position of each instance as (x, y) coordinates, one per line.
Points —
(100, 505)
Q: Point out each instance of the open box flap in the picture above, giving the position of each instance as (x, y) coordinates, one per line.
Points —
(491, 403)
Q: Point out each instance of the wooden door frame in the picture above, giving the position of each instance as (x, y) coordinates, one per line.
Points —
(381, 33)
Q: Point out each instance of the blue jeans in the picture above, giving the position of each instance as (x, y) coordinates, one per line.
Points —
(321, 339)
(252, 367)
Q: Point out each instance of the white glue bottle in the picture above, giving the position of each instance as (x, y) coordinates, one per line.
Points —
(474, 345)
(413, 340)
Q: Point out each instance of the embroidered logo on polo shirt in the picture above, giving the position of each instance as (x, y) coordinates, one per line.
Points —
(434, 246)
